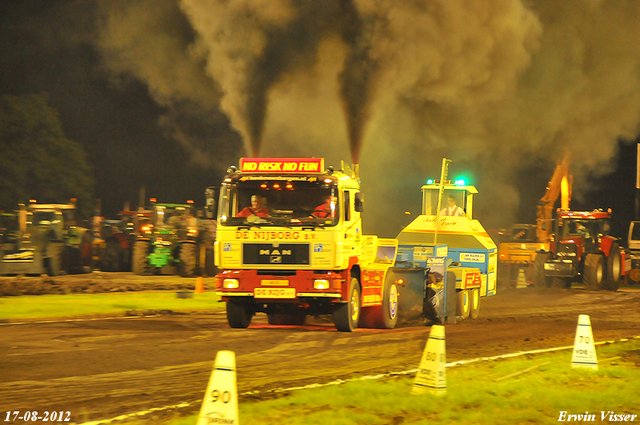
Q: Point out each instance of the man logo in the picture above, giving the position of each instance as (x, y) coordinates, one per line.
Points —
(276, 259)
(275, 252)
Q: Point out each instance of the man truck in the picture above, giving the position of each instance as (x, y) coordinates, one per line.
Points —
(290, 263)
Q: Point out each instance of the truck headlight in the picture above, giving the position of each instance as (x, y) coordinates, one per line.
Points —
(230, 283)
(321, 284)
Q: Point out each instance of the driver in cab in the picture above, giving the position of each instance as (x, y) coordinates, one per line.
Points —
(452, 209)
(256, 208)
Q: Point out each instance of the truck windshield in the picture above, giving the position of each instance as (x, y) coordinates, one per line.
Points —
(270, 202)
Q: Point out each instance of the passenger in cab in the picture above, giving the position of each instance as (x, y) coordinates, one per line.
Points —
(327, 209)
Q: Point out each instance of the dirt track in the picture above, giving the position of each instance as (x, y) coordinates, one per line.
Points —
(99, 369)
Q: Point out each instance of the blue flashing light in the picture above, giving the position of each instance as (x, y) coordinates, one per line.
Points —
(430, 181)
(460, 182)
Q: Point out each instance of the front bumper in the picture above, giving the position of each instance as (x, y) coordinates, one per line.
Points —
(298, 287)
(559, 268)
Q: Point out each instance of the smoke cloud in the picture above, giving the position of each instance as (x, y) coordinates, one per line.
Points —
(501, 87)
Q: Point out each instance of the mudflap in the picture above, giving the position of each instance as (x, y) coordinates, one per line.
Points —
(411, 292)
(426, 294)
(440, 299)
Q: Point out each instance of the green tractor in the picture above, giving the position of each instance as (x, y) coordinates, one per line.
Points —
(168, 241)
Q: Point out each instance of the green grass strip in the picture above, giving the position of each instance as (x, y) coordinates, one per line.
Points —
(74, 305)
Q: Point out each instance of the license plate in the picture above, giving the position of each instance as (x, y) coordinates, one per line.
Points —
(274, 282)
(274, 293)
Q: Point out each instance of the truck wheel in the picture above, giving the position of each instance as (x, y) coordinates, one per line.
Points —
(346, 316)
(187, 260)
(463, 304)
(238, 315)
(614, 269)
(474, 303)
(141, 264)
(538, 277)
(593, 272)
(286, 319)
(112, 254)
(386, 316)
(53, 263)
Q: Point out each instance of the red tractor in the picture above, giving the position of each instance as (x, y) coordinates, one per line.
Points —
(582, 251)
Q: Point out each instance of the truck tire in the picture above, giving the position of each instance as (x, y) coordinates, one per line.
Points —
(53, 263)
(112, 256)
(538, 277)
(463, 303)
(238, 315)
(346, 316)
(614, 269)
(286, 319)
(386, 316)
(187, 260)
(474, 303)
(141, 264)
(593, 272)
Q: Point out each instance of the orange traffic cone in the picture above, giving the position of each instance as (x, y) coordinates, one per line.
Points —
(199, 285)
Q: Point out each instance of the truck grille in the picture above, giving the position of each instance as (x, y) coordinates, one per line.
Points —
(274, 254)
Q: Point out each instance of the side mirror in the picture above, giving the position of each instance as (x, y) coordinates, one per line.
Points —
(358, 203)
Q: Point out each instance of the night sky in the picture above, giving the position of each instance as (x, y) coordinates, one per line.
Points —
(167, 94)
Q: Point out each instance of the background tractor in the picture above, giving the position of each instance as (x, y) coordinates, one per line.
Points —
(116, 240)
(9, 231)
(48, 240)
(168, 242)
(583, 251)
